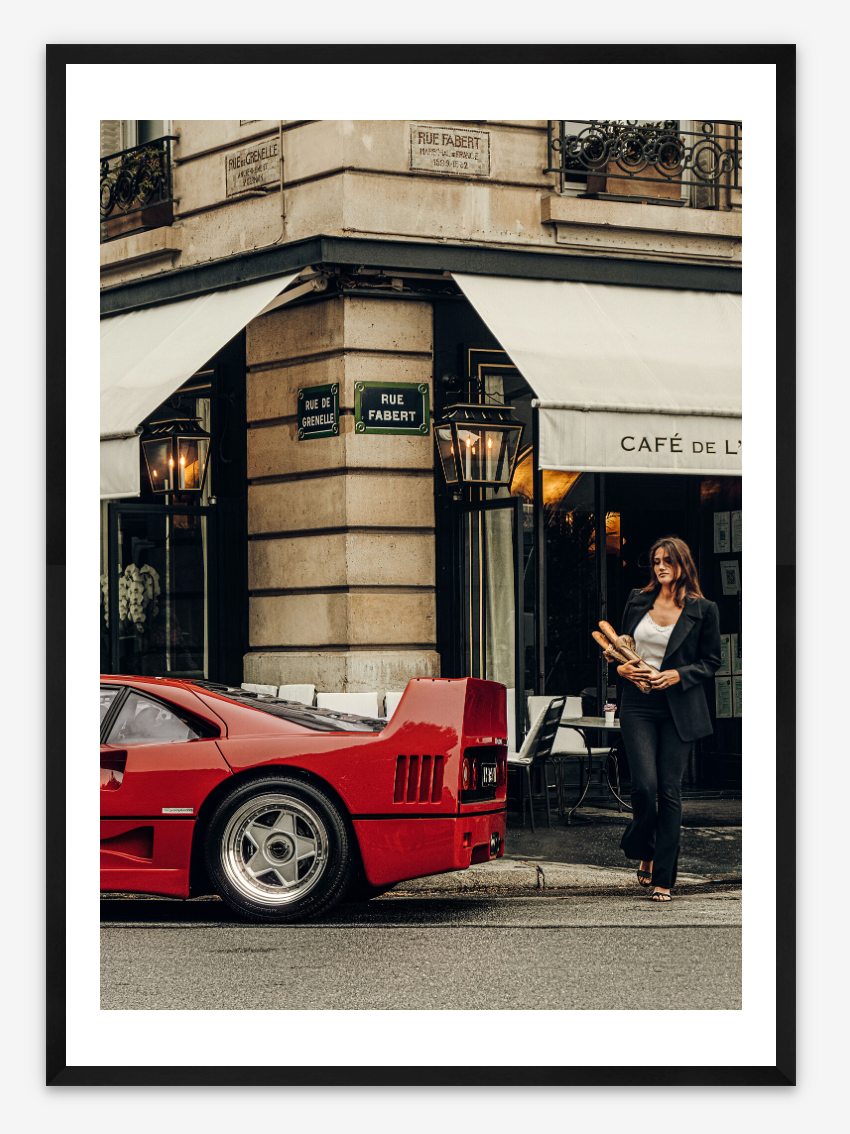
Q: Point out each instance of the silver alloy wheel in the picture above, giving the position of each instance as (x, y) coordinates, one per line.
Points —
(274, 849)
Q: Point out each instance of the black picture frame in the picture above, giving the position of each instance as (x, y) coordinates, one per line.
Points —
(58, 56)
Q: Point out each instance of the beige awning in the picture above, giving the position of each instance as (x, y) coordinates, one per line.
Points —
(146, 355)
(629, 379)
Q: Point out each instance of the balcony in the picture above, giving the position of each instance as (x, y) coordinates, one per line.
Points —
(136, 189)
(651, 162)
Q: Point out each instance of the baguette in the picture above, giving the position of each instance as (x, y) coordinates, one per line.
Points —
(609, 632)
(608, 648)
(611, 655)
(620, 647)
(616, 641)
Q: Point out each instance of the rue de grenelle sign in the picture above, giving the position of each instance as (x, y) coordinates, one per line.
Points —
(318, 412)
(252, 167)
(400, 408)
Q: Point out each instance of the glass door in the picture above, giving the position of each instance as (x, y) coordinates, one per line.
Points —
(494, 570)
(159, 610)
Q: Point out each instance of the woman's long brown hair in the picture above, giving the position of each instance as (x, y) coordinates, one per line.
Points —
(687, 583)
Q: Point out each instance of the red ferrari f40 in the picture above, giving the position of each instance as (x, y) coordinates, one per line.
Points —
(283, 809)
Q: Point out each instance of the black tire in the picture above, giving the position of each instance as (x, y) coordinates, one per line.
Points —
(298, 870)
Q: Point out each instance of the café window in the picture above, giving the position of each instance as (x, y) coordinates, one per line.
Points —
(162, 612)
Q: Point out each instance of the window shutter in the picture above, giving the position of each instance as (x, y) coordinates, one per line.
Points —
(110, 136)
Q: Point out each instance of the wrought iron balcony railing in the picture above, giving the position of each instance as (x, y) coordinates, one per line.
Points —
(135, 187)
(619, 152)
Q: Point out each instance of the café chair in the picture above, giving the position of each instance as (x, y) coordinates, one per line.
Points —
(391, 702)
(360, 704)
(305, 694)
(572, 746)
(535, 755)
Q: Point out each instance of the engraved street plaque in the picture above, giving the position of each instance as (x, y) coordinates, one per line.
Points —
(252, 167)
(450, 149)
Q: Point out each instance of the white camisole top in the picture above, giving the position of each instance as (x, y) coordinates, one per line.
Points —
(651, 640)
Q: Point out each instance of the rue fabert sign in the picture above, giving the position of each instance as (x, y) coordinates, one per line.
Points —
(318, 412)
(252, 167)
(400, 408)
(450, 149)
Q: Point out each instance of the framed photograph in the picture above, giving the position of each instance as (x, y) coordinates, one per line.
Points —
(360, 789)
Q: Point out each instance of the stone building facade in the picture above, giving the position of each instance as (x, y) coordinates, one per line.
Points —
(374, 220)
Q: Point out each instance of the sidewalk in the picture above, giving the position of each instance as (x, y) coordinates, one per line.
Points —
(586, 857)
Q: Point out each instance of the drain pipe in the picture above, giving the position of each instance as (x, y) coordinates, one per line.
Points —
(282, 232)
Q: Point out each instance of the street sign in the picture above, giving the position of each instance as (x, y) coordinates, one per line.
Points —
(251, 167)
(400, 408)
(318, 412)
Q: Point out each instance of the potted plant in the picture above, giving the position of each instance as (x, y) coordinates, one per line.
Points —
(135, 193)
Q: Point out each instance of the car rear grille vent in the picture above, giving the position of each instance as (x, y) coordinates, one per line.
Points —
(418, 779)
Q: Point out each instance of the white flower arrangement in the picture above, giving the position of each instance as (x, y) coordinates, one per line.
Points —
(138, 590)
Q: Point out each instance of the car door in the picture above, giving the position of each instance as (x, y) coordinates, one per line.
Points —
(157, 758)
(158, 762)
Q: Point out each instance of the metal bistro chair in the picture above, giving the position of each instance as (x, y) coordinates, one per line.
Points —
(573, 745)
(535, 754)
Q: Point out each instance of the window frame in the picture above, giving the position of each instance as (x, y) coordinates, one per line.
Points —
(112, 711)
(205, 731)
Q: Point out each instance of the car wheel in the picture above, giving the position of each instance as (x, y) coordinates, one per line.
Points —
(278, 849)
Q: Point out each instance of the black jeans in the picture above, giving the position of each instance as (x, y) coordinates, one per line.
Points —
(657, 759)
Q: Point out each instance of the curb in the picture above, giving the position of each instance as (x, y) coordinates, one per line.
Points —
(525, 876)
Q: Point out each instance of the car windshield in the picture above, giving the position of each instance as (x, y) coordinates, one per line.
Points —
(321, 720)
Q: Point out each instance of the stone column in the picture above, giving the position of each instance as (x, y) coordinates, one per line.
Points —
(340, 529)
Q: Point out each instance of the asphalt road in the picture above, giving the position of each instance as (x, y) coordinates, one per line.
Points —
(542, 952)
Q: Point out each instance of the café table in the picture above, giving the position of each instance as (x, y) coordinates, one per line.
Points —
(582, 725)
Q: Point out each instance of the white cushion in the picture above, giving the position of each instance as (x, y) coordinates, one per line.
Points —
(392, 700)
(304, 693)
(361, 704)
(568, 742)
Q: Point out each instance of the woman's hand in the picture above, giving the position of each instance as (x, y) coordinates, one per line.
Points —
(635, 672)
(665, 679)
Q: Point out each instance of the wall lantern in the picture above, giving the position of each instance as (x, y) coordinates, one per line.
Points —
(478, 445)
(176, 453)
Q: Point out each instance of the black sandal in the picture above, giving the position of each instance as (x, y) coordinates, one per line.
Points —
(641, 875)
(657, 897)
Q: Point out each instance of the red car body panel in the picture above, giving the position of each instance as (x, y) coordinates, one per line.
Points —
(150, 857)
(400, 786)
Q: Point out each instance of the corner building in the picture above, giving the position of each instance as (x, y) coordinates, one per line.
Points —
(587, 275)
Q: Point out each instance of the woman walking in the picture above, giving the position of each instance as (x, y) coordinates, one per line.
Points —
(677, 632)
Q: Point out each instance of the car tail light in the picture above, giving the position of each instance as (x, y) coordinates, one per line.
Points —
(466, 774)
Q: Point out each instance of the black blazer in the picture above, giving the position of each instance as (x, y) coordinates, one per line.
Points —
(694, 650)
